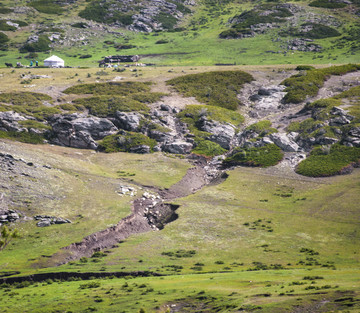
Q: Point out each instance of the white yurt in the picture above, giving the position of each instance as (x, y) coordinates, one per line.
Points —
(54, 61)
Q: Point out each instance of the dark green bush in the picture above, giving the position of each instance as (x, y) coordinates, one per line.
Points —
(208, 148)
(40, 46)
(6, 27)
(304, 68)
(24, 98)
(22, 137)
(323, 162)
(80, 25)
(265, 156)
(103, 106)
(299, 87)
(46, 6)
(213, 88)
(5, 10)
(113, 88)
(103, 12)
(319, 31)
(161, 42)
(305, 127)
(167, 20)
(125, 141)
(329, 4)
(85, 56)
(262, 128)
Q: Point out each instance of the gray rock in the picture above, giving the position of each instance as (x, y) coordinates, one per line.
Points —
(355, 132)
(9, 121)
(128, 120)
(284, 142)
(142, 149)
(98, 128)
(178, 147)
(222, 134)
(45, 223)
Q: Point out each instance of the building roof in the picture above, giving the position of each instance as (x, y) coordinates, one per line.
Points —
(54, 58)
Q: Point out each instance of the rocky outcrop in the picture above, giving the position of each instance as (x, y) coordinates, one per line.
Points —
(128, 120)
(178, 147)
(8, 216)
(9, 121)
(284, 142)
(47, 220)
(222, 134)
(76, 130)
(303, 44)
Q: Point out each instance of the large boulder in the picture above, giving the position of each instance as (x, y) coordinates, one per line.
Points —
(222, 134)
(98, 128)
(284, 142)
(128, 120)
(9, 121)
(178, 147)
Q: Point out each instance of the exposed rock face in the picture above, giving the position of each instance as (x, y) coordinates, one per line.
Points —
(302, 44)
(128, 120)
(178, 147)
(47, 220)
(222, 134)
(77, 131)
(142, 149)
(8, 216)
(9, 121)
(284, 142)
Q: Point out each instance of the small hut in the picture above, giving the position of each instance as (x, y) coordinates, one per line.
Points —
(54, 61)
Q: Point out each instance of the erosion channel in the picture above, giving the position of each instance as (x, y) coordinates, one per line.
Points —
(150, 212)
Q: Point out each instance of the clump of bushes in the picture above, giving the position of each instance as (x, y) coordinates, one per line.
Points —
(112, 88)
(208, 148)
(304, 68)
(103, 12)
(46, 6)
(167, 20)
(103, 106)
(329, 4)
(80, 25)
(262, 128)
(4, 39)
(213, 88)
(301, 86)
(267, 155)
(5, 27)
(25, 137)
(125, 141)
(338, 159)
(180, 253)
(39, 46)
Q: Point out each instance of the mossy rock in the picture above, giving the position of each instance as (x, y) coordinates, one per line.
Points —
(265, 156)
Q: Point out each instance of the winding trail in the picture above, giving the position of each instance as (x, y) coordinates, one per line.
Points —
(149, 212)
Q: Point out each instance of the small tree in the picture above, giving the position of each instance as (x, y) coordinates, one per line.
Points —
(6, 235)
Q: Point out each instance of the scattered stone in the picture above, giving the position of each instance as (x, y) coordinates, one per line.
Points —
(47, 220)
(127, 191)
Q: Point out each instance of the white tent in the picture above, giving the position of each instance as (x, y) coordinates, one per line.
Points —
(54, 61)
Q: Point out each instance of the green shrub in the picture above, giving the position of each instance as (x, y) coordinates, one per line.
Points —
(208, 148)
(6, 27)
(125, 141)
(24, 98)
(265, 156)
(167, 20)
(80, 25)
(4, 39)
(299, 87)
(213, 88)
(262, 128)
(322, 162)
(103, 106)
(112, 88)
(304, 68)
(22, 137)
(353, 92)
(33, 124)
(5, 10)
(103, 12)
(323, 103)
(46, 6)
(93, 284)
(305, 127)
(41, 45)
(329, 4)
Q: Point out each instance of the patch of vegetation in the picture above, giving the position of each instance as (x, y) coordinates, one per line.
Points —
(304, 68)
(25, 137)
(41, 45)
(167, 20)
(102, 12)
(125, 141)
(180, 253)
(324, 162)
(4, 39)
(5, 27)
(263, 128)
(46, 6)
(305, 127)
(24, 98)
(33, 124)
(208, 148)
(265, 156)
(103, 106)
(328, 4)
(306, 84)
(112, 88)
(213, 88)
(311, 31)
(5, 10)
(80, 25)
